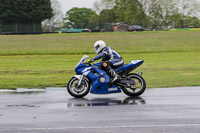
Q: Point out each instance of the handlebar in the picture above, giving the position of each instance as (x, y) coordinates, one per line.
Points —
(88, 63)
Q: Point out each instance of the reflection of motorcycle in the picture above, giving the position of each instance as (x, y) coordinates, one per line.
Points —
(88, 74)
(105, 102)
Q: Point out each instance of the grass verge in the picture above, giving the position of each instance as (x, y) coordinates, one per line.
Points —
(38, 61)
(38, 71)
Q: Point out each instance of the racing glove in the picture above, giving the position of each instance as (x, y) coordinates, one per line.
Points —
(90, 61)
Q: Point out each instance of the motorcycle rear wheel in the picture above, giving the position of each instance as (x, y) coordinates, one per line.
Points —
(78, 91)
(137, 89)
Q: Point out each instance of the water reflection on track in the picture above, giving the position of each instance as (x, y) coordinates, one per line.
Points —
(82, 102)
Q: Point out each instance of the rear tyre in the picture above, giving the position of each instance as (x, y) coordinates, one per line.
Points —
(78, 91)
(138, 88)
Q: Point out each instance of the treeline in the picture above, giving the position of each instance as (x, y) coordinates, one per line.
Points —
(24, 11)
(147, 13)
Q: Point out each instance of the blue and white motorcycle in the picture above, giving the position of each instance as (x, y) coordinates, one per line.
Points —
(90, 78)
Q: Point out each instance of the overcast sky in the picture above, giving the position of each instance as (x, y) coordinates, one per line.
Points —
(68, 4)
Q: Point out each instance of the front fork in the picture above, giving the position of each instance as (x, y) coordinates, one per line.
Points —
(80, 80)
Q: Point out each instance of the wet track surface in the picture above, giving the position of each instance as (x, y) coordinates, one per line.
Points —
(171, 110)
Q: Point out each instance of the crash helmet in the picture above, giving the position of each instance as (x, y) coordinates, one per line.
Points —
(98, 46)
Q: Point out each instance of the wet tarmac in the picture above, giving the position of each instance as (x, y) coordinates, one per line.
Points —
(170, 110)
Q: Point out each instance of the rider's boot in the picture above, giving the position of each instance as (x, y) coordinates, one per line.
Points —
(114, 76)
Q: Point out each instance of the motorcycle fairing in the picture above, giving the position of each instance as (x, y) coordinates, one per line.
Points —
(102, 88)
(98, 64)
(106, 90)
(133, 65)
(97, 86)
(79, 68)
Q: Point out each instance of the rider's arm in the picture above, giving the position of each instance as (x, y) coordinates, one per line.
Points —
(99, 56)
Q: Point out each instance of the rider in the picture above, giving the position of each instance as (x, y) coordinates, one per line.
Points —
(110, 59)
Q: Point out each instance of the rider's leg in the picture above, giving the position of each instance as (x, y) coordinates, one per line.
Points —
(117, 63)
(107, 67)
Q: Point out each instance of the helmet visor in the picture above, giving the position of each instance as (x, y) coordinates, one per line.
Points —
(97, 47)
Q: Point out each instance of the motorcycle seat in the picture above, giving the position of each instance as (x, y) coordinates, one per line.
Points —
(119, 66)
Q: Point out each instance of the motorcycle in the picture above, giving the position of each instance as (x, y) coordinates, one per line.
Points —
(88, 74)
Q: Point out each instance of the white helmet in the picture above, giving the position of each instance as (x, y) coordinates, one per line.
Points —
(98, 46)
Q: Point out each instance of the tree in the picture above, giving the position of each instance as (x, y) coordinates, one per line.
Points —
(130, 11)
(56, 20)
(24, 11)
(79, 17)
(192, 22)
(105, 9)
(185, 12)
(149, 12)
(188, 7)
(166, 12)
(57, 13)
(101, 5)
(162, 11)
(107, 16)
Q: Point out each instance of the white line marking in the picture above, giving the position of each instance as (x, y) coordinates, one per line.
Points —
(102, 127)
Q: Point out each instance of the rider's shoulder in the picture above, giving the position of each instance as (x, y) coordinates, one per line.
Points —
(108, 48)
(105, 49)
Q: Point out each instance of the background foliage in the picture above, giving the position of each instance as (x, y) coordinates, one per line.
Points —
(147, 13)
(24, 11)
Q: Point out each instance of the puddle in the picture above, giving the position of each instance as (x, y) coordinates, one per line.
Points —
(23, 91)
(7, 91)
(105, 102)
(24, 105)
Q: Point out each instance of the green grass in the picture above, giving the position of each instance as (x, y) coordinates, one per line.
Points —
(38, 61)
(125, 43)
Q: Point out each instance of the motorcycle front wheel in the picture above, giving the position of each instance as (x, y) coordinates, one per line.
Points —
(138, 88)
(78, 91)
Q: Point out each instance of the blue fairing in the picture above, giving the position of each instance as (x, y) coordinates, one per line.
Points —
(80, 68)
(99, 64)
(133, 65)
(97, 87)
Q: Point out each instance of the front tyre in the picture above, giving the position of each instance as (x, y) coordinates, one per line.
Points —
(136, 89)
(78, 91)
